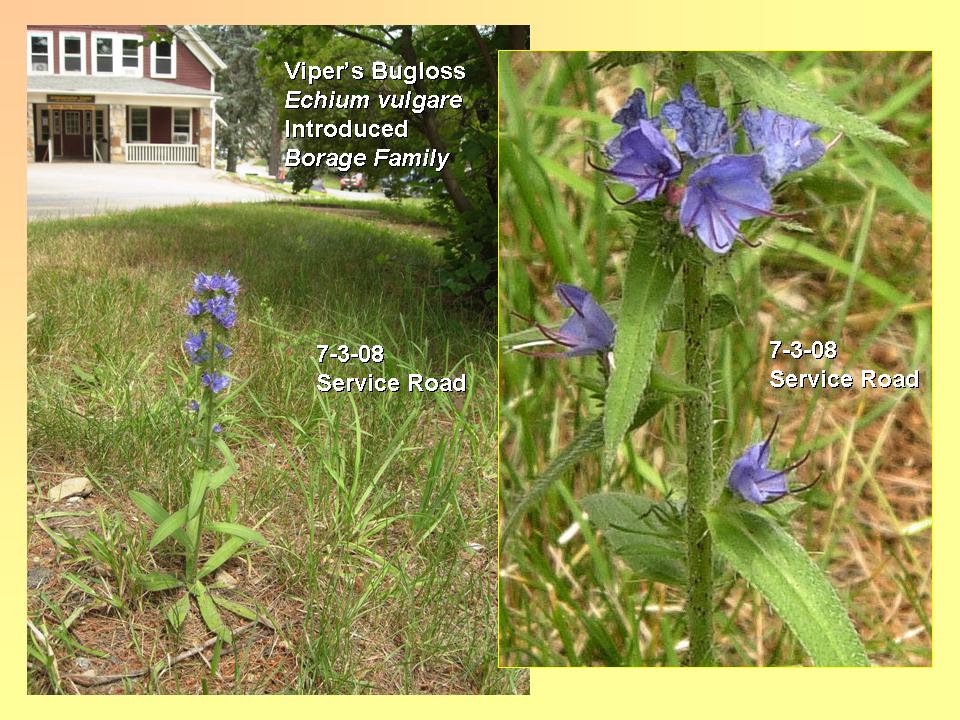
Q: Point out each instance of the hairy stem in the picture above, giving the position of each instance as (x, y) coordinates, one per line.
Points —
(698, 413)
(207, 405)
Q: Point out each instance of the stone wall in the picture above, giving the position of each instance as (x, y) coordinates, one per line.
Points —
(31, 149)
(118, 132)
(206, 137)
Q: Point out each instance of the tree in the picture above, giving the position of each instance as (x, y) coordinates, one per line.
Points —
(247, 107)
(465, 196)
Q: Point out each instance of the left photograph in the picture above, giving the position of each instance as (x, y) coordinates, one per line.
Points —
(262, 359)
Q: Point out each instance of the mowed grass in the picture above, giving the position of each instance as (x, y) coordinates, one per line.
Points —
(379, 509)
(859, 275)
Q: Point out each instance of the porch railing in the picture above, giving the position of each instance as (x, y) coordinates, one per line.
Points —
(162, 153)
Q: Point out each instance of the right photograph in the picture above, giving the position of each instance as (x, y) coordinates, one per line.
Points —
(715, 372)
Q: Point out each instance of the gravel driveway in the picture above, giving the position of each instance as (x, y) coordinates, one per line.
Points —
(70, 189)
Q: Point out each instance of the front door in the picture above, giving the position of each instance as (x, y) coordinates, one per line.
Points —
(71, 140)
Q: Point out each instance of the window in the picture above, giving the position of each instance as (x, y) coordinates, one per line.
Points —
(164, 58)
(103, 62)
(40, 52)
(100, 127)
(72, 55)
(131, 55)
(56, 122)
(182, 126)
(44, 126)
(139, 124)
(71, 122)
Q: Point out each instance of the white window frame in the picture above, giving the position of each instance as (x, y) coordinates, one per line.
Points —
(173, 113)
(48, 36)
(78, 114)
(173, 60)
(64, 36)
(119, 68)
(115, 53)
(130, 109)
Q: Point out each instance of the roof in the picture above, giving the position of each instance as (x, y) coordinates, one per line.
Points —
(109, 85)
(203, 52)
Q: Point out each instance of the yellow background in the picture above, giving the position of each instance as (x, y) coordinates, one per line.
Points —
(559, 693)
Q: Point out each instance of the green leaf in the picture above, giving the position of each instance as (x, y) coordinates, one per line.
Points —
(153, 510)
(198, 487)
(177, 612)
(235, 607)
(223, 553)
(168, 527)
(208, 611)
(226, 472)
(650, 274)
(155, 582)
(757, 80)
(774, 563)
(589, 438)
(640, 532)
(238, 531)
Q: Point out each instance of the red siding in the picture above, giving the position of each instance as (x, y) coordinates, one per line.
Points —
(160, 118)
(190, 71)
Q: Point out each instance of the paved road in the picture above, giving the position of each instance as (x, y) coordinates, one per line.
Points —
(348, 195)
(73, 189)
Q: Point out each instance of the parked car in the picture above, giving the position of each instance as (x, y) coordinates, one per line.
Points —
(354, 181)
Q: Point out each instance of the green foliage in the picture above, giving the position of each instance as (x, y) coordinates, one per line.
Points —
(646, 534)
(773, 562)
(463, 195)
(247, 107)
(650, 274)
(757, 80)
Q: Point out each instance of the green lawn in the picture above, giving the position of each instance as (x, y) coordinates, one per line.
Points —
(380, 510)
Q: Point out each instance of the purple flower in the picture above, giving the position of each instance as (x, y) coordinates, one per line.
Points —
(229, 284)
(217, 428)
(202, 282)
(702, 131)
(633, 111)
(194, 308)
(194, 347)
(193, 406)
(787, 144)
(225, 350)
(223, 310)
(642, 158)
(755, 482)
(589, 330)
(215, 381)
(720, 195)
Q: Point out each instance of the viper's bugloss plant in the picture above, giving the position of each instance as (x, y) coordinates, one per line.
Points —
(588, 331)
(722, 189)
(213, 313)
(697, 169)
